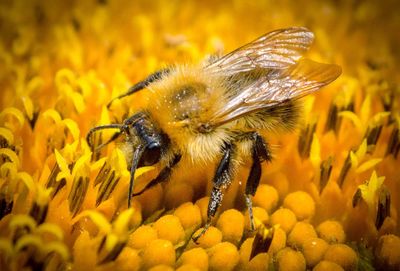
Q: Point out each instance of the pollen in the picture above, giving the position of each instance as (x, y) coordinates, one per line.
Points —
(331, 232)
(157, 252)
(301, 232)
(285, 218)
(343, 255)
(169, 227)
(327, 200)
(223, 256)
(289, 259)
(196, 257)
(142, 236)
(266, 197)
(327, 266)
(301, 203)
(314, 250)
(231, 224)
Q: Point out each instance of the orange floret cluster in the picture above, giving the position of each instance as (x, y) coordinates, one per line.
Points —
(328, 200)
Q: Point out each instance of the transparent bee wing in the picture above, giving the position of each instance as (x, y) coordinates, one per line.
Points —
(275, 50)
(276, 86)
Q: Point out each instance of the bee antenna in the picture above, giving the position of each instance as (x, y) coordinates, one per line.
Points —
(101, 127)
(102, 145)
(135, 161)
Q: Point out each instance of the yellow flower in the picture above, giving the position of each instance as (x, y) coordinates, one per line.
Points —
(63, 205)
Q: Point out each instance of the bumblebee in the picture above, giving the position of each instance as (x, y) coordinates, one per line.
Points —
(217, 111)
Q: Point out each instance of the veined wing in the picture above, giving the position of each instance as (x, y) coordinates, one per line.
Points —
(275, 50)
(276, 86)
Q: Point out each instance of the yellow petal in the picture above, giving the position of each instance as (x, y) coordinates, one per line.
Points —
(57, 247)
(353, 118)
(64, 76)
(13, 112)
(367, 165)
(28, 106)
(22, 221)
(43, 195)
(104, 118)
(140, 171)
(369, 189)
(10, 155)
(98, 164)
(354, 160)
(82, 165)
(315, 152)
(28, 240)
(121, 224)
(35, 83)
(8, 169)
(63, 175)
(27, 180)
(7, 135)
(6, 247)
(97, 218)
(362, 150)
(70, 150)
(111, 241)
(379, 118)
(78, 101)
(73, 128)
(52, 114)
(365, 110)
(53, 229)
(118, 161)
(61, 162)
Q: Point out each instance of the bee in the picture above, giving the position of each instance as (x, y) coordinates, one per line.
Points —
(216, 112)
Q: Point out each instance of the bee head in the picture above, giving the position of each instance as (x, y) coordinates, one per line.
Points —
(147, 137)
(148, 142)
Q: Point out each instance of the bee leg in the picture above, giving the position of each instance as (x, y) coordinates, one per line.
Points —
(142, 84)
(163, 176)
(221, 182)
(260, 153)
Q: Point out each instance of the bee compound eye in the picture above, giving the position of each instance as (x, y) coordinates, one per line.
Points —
(151, 155)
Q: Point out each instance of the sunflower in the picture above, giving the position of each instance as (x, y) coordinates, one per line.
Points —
(328, 201)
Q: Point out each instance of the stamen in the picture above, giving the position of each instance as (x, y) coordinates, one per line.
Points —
(53, 183)
(39, 212)
(333, 120)
(383, 207)
(6, 205)
(262, 241)
(393, 146)
(107, 187)
(326, 170)
(356, 197)
(77, 194)
(345, 169)
(103, 173)
(305, 139)
(111, 255)
(372, 136)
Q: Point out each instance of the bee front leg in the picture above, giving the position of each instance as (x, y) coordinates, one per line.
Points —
(163, 176)
(141, 85)
(260, 153)
(222, 180)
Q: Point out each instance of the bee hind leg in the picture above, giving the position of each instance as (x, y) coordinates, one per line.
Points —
(221, 181)
(260, 153)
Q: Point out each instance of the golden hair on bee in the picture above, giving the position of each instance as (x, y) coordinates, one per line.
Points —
(216, 113)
